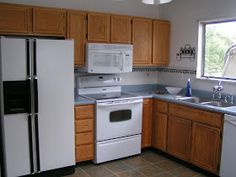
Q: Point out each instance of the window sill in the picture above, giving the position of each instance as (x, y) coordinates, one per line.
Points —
(216, 79)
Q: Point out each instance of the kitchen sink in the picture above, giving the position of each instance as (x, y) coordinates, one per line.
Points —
(217, 104)
(206, 101)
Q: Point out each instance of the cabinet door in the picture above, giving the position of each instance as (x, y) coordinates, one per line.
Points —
(147, 123)
(206, 147)
(15, 19)
(161, 42)
(76, 29)
(159, 133)
(98, 27)
(48, 21)
(142, 41)
(179, 137)
(121, 29)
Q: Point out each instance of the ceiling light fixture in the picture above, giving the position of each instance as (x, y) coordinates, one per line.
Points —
(155, 2)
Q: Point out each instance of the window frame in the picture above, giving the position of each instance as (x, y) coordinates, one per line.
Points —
(201, 49)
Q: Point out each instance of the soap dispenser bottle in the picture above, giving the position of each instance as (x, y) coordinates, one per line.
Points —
(188, 88)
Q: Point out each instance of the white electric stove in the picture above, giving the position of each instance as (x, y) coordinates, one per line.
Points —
(118, 117)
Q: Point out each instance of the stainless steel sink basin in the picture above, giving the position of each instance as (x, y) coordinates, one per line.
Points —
(217, 104)
(193, 99)
(206, 101)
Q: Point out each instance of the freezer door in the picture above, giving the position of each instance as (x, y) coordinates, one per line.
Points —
(16, 145)
(14, 63)
(55, 73)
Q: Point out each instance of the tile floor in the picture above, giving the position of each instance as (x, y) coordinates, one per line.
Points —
(148, 164)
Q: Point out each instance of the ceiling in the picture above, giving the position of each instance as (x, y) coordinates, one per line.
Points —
(127, 7)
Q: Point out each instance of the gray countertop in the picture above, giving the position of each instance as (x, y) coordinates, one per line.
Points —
(151, 93)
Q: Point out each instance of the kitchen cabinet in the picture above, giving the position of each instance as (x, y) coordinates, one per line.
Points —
(160, 118)
(98, 27)
(49, 21)
(76, 29)
(179, 137)
(15, 19)
(161, 42)
(84, 132)
(147, 123)
(120, 29)
(206, 142)
(194, 135)
(142, 41)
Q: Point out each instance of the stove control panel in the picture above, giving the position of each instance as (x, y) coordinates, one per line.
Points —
(98, 81)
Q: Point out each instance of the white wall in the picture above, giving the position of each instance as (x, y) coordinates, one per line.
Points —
(137, 78)
(126, 7)
(184, 16)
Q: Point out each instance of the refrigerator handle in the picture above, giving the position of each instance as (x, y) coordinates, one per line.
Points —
(36, 95)
(28, 57)
(37, 143)
(34, 58)
(30, 143)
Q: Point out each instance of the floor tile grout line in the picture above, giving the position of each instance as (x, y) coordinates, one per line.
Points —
(109, 170)
(84, 171)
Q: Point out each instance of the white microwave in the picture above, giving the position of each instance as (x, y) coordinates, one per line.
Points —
(108, 58)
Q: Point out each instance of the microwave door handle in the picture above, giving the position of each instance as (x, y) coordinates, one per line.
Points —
(123, 61)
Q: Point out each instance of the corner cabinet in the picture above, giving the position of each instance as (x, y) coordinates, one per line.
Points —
(142, 41)
(161, 42)
(121, 29)
(147, 123)
(15, 19)
(84, 132)
(76, 29)
(48, 21)
(98, 27)
(160, 118)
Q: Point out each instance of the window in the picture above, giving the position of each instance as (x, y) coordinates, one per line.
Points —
(217, 50)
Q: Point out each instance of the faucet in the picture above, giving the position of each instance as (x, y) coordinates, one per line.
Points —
(217, 89)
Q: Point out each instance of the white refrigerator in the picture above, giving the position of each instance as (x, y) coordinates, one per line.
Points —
(37, 100)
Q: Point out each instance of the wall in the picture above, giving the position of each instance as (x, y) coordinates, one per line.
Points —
(126, 7)
(184, 16)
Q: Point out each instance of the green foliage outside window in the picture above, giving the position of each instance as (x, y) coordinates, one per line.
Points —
(216, 44)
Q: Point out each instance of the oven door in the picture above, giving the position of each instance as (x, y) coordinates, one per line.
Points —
(118, 119)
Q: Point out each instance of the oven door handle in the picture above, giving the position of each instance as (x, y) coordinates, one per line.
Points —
(119, 103)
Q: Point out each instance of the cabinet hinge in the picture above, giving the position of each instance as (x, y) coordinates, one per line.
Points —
(221, 135)
(131, 22)
(86, 17)
(87, 36)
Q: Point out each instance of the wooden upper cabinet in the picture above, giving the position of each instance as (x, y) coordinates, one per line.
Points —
(147, 123)
(179, 137)
(15, 19)
(98, 27)
(142, 42)
(161, 42)
(76, 29)
(206, 147)
(49, 21)
(120, 29)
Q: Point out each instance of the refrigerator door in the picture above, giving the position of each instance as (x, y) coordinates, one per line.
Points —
(55, 73)
(16, 145)
(15, 129)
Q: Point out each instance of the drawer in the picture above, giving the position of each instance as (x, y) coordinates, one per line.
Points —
(84, 112)
(84, 138)
(197, 115)
(84, 152)
(83, 125)
(160, 106)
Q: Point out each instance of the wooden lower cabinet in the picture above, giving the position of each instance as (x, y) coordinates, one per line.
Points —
(206, 147)
(84, 132)
(147, 123)
(179, 137)
(159, 132)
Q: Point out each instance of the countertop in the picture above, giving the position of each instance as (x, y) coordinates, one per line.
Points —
(151, 93)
